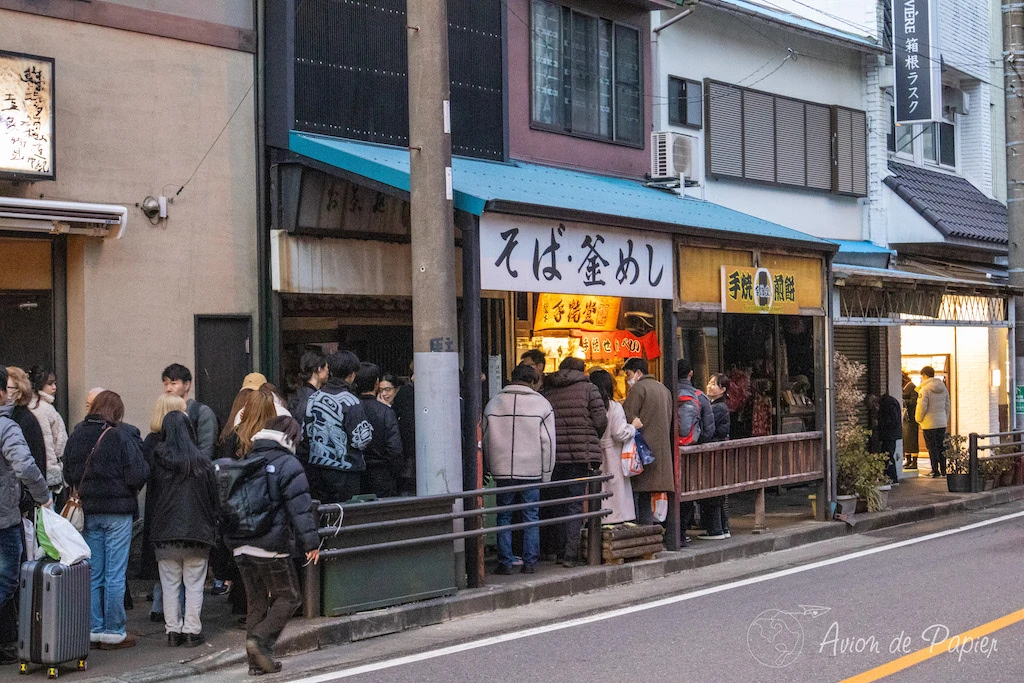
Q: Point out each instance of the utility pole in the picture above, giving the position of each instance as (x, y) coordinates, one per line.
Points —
(435, 332)
(1013, 67)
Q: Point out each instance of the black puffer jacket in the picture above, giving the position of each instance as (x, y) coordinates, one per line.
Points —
(184, 509)
(36, 445)
(294, 529)
(580, 416)
(116, 473)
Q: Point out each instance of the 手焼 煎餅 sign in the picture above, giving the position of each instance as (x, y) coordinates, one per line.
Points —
(758, 290)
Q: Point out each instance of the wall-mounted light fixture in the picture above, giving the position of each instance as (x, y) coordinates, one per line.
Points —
(997, 377)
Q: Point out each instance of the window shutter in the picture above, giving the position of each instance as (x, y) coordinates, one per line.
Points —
(851, 152)
(724, 105)
(790, 142)
(758, 136)
(859, 152)
(843, 151)
(819, 146)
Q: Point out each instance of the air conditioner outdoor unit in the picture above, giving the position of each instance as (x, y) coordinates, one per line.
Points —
(957, 100)
(676, 155)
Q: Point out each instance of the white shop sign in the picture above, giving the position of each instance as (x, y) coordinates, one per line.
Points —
(520, 254)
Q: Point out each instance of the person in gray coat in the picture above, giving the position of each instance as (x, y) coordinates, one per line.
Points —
(17, 469)
(177, 380)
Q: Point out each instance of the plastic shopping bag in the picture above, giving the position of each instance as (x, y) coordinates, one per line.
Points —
(659, 506)
(631, 465)
(643, 449)
(28, 537)
(59, 539)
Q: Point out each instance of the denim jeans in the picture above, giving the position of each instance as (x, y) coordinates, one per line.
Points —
(10, 561)
(531, 536)
(109, 538)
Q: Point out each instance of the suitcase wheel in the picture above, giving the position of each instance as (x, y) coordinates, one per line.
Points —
(51, 672)
(82, 665)
(23, 667)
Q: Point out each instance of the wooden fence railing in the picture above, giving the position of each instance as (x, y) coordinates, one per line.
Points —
(717, 469)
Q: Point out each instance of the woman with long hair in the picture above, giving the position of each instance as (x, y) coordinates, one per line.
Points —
(165, 404)
(183, 530)
(19, 392)
(104, 463)
(55, 432)
(266, 561)
(616, 435)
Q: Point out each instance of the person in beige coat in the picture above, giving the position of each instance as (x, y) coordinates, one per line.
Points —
(933, 416)
(652, 402)
(519, 448)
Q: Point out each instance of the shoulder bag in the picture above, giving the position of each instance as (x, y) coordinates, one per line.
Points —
(73, 511)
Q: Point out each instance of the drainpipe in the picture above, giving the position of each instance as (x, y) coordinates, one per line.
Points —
(656, 89)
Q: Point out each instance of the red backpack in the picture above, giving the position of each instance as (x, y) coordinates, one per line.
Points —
(688, 440)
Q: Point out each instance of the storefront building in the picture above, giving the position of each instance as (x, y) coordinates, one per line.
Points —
(109, 110)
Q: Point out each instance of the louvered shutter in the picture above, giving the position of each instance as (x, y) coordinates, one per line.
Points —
(852, 342)
(851, 152)
(819, 146)
(859, 152)
(758, 136)
(725, 130)
(790, 142)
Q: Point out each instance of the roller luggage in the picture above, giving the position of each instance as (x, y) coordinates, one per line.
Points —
(53, 623)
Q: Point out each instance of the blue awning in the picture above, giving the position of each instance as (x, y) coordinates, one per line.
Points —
(481, 186)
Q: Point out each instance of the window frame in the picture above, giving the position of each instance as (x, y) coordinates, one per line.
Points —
(833, 154)
(699, 87)
(641, 143)
(916, 155)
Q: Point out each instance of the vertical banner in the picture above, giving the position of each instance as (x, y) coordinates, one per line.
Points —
(917, 61)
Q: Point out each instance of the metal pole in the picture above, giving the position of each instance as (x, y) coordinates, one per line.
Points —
(435, 329)
(1013, 68)
(594, 526)
(972, 466)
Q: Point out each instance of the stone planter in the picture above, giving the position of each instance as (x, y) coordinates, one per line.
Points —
(883, 495)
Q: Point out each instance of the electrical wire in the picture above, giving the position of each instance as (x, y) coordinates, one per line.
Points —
(226, 124)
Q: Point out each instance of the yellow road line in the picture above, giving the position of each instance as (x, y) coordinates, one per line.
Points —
(941, 648)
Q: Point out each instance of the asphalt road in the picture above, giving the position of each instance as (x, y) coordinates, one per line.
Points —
(826, 612)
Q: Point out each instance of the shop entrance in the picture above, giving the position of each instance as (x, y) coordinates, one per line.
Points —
(26, 303)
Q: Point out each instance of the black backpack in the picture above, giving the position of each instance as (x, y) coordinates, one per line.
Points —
(247, 507)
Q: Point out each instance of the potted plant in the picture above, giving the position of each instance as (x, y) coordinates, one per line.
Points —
(958, 479)
(858, 472)
(989, 471)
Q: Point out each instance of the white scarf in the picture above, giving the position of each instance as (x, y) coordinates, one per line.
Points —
(274, 435)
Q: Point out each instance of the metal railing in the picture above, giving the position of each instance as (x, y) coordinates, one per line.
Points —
(1013, 441)
(474, 515)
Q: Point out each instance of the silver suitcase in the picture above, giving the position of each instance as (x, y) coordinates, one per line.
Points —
(53, 621)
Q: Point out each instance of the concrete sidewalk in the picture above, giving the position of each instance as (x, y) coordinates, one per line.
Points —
(791, 526)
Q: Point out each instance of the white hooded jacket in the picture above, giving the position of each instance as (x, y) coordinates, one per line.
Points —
(933, 404)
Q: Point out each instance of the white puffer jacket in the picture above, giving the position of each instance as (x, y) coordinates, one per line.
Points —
(55, 436)
(933, 404)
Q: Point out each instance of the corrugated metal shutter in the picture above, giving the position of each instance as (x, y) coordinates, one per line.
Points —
(790, 142)
(852, 342)
(819, 146)
(725, 124)
(758, 136)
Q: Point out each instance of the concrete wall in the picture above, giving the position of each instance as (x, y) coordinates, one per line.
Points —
(556, 149)
(718, 45)
(998, 101)
(135, 116)
(237, 13)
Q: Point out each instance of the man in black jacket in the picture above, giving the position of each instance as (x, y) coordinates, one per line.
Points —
(384, 461)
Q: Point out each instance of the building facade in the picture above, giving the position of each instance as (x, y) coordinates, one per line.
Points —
(150, 110)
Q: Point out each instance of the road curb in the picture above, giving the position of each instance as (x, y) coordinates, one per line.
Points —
(312, 634)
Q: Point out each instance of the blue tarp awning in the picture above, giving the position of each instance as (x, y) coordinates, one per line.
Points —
(481, 186)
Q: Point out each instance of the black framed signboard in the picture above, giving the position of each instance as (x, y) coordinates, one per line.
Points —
(917, 61)
(26, 117)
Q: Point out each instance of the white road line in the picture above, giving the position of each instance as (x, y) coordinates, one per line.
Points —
(623, 611)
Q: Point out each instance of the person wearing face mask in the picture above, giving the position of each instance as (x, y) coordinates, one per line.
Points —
(651, 401)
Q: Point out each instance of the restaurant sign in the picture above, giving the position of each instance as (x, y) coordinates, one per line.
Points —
(758, 290)
(576, 312)
(917, 62)
(26, 117)
(520, 254)
(618, 344)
